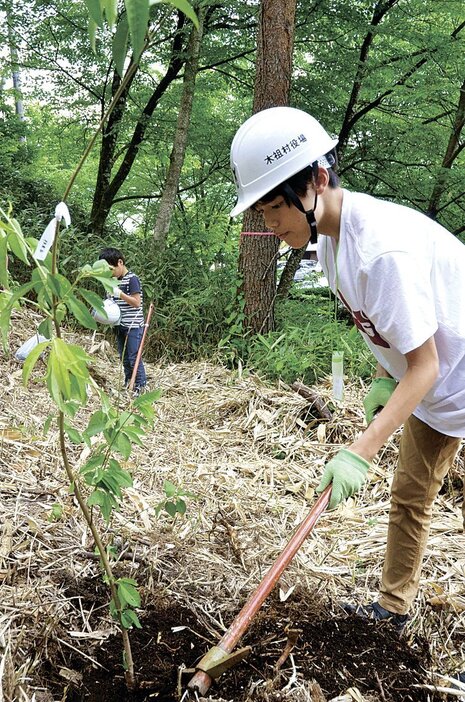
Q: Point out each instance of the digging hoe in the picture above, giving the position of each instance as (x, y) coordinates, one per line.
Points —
(221, 657)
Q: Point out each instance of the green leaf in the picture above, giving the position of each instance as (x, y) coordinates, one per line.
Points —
(143, 403)
(45, 328)
(3, 262)
(55, 513)
(170, 507)
(60, 313)
(8, 302)
(129, 618)
(123, 445)
(91, 467)
(186, 493)
(108, 283)
(111, 11)
(92, 32)
(70, 408)
(120, 44)
(67, 373)
(92, 299)
(123, 477)
(18, 293)
(131, 581)
(97, 423)
(81, 312)
(32, 359)
(113, 610)
(44, 298)
(182, 5)
(73, 434)
(95, 11)
(105, 501)
(109, 484)
(181, 506)
(128, 594)
(138, 19)
(58, 284)
(105, 401)
(18, 247)
(169, 488)
(47, 424)
(134, 434)
(100, 267)
(147, 398)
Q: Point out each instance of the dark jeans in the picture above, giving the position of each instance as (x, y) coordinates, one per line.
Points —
(128, 341)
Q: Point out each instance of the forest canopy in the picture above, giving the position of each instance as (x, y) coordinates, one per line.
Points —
(387, 78)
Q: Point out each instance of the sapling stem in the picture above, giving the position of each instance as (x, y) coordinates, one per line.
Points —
(129, 663)
(129, 672)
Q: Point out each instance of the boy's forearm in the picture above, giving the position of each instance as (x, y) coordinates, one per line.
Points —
(420, 376)
(133, 300)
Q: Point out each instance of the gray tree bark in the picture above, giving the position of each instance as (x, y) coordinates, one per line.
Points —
(289, 271)
(168, 197)
(15, 72)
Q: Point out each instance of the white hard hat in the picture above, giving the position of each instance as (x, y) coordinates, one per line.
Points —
(270, 147)
(112, 313)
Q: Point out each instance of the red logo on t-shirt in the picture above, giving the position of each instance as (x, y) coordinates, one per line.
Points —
(367, 327)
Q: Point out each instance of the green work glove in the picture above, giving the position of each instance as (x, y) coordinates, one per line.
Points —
(347, 472)
(378, 395)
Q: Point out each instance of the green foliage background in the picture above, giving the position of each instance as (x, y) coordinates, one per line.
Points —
(411, 84)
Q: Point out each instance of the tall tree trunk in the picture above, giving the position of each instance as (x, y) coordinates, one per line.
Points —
(168, 198)
(258, 251)
(107, 156)
(15, 72)
(108, 185)
(290, 269)
(454, 147)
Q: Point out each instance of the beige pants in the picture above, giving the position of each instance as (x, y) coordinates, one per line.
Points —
(425, 457)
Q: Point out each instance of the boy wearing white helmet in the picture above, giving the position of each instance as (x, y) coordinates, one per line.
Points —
(401, 276)
(130, 328)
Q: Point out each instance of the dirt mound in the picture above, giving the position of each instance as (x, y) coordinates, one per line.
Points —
(333, 653)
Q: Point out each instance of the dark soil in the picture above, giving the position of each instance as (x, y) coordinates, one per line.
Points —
(337, 652)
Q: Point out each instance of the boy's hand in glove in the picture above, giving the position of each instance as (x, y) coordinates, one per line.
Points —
(117, 292)
(378, 395)
(347, 472)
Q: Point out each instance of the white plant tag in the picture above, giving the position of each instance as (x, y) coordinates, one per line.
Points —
(46, 240)
(337, 367)
(23, 352)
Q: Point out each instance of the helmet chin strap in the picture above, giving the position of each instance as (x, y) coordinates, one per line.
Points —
(309, 214)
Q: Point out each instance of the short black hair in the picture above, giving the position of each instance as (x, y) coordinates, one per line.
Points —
(299, 182)
(111, 256)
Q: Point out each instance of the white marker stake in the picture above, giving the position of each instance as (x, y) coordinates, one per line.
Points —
(46, 240)
(338, 374)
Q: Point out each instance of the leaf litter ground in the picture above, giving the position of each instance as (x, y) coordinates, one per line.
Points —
(251, 454)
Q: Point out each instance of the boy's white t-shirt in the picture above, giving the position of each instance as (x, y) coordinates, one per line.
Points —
(402, 277)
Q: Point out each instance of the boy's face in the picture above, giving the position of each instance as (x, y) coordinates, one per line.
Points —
(286, 221)
(118, 270)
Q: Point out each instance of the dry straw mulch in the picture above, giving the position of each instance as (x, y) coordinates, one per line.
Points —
(251, 455)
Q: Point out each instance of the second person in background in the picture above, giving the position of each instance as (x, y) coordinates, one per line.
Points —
(129, 298)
